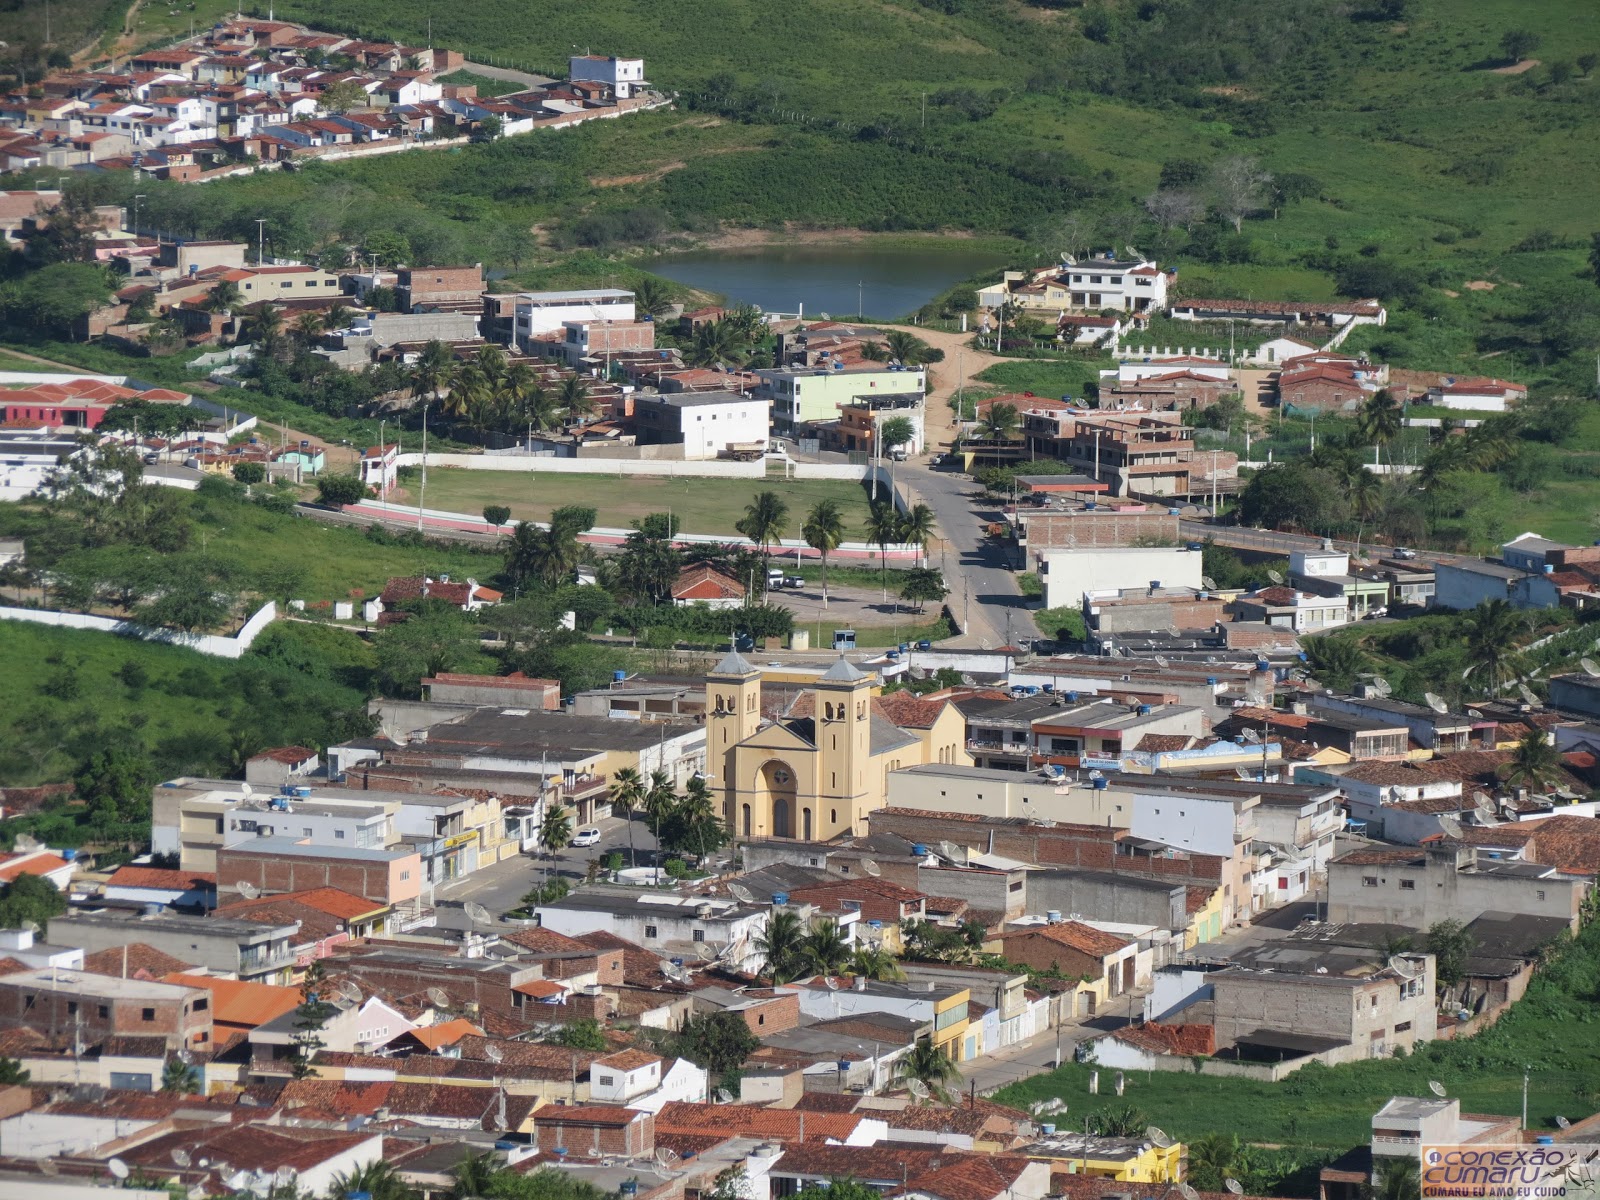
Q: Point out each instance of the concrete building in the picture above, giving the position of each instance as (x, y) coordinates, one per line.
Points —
(541, 313)
(940, 1007)
(666, 923)
(1099, 282)
(1464, 584)
(1071, 575)
(1418, 887)
(1147, 609)
(436, 289)
(287, 283)
(257, 952)
(1443, 733)
(281, 863)
(74, 1004)
(1576, 693)
(705, 424)
(1292, 609)
(802, 395)
(625, 76)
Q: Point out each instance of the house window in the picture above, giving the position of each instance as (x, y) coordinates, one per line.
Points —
(338, 835)
(105, 1012)
(605, 1081)
(72, 1007)
(1408, 885)
(761, 1018)
(650, 931)
(148, 1014)
(201, 1005)
(1369, 881)
(699, 935)
(1541, 895)
(305, 831)
(1403, 1027)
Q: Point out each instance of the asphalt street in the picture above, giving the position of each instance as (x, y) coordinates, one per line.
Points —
(977, 568)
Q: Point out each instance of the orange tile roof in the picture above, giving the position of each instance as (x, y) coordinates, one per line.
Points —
(235, 1002)
(29, 864)
(446, 1034)
(748, 1120)
(1187, 1040)
(974, 1177)
(541, 989)
(628, 1060)
(1075, 935)
(161, 878)
(134, 961)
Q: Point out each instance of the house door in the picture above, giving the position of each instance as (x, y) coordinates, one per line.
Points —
(780, 819)
(1127, 974)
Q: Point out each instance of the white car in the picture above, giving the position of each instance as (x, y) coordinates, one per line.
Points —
(589, 835)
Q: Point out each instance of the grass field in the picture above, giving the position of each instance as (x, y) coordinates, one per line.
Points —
(701, 505)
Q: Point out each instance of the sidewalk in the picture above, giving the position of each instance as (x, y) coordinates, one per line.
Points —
(1037, 1055)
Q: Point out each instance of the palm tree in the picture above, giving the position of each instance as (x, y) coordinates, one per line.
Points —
(916, 528)
(224, 297)
(548, 556)
(179, 1078)
(1381, 418)
(627, 793)
(714, 342)
(1535, 761)
(1212, 1159)
(263, 328)
(874, 351)
(931, 1066)
(491, 362)
(378, 1178)
(765, 518)
(782, 944)
(650, 296)
(574, 397)
(308, 328)
(883, 527)
(875, 963)
(338, 316)
(473, 1176)
(1000, 423)
(1335, 661)
(433, 369)
(659, 802)
(1490, 630)
(907, 348)
(823, 948)
(1366, 496)
(1398, 1179)
(555, 830)
(823, 531)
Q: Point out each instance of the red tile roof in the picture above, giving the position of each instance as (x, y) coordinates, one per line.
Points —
(703, 582)
(134, 961)
(748, 1120)
(162, 879)
(291, 756)
(235, 1002)
(29, 864)
(1075, 936)
(1187, 1040)
(446, 1034)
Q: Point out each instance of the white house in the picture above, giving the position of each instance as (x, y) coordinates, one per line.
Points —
(546, 312)
(624, 75)
(1485, 395)
(623, 1077)
(663, 922)
(1069, 575)
(704, 423)
(356, 1029)
(1465, 584)
(1136, 371)
(1102, 281)
(380, 465)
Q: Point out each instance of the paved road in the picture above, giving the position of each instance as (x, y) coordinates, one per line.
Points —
(506, 74)
(1270, 540)
(977, 569)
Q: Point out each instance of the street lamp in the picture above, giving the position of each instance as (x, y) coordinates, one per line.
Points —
(136, 201)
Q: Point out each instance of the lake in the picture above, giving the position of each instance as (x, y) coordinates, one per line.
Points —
(839, 280)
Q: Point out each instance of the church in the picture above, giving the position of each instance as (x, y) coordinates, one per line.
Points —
(815, 772)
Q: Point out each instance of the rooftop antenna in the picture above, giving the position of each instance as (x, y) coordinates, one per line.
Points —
(117, 1167)
(666, 1157)
(704, 952)
(477, 913)
(1529, 696)
(48, 1166)
(1158, 1137)
(724, 1096)
(831, 983)
(871, 868)
(1187, 1192)
(741, 893)
(1401, 967)
(1435, 702)
(493, 1053)
(285, 1175)
(1234, 1186)
(1436, 1088)
(246, 790)
(1208, 583)
(248, 890)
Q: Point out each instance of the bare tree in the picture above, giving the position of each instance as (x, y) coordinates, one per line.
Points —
(1237, 185)
(1170, 207)
(1067, 233)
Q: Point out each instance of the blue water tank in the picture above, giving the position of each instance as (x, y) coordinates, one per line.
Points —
(1211, 680)
(505, 1145)
(1047, 1129)
(1100, 784)
(1144, 710)
(301, 793)
(69, 855)
(843, 1064)
(780, 897)
(919, 849)
(1263, 665)
(559, 1151)
(1544, 1139)
(874, 924)
(1072, 696)
(618, 676)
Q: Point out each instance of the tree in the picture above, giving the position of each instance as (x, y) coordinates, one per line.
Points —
(1586, 63)
(874, 963)
(543, 556)
(883, 527)
(1237, 185)
(379, 1179)
(1295, 496)
(650, 296)
(823, 532)
(574, 397)
(718, 1042)
(765, 518)
(1000, 423)
(1561, 72)
(1293, 186)
(11, 1072)
(693, 825)
(1490, 631)
(249, 472)
(896, 431)
(224, 297)
(1381, 417)
(120, 774)
(823, 948)
(179, 1078)
(308, 328)
(660, 798)
(585, 1033)
(627, 793)
(313, 1013)
(909, 349)
(474, 1175)
(342, 96)
(1517, 44)
(1126, 1121)
(490, 128)
(263, 328)
(555, 829)
(1535, 763)
(782, 945)
(432, 370)
(336, 491)
(1398, 1179)
(922, 585)
(1171, 207)
(1335, 661)
(49, 302)
(916, 528)
(1451, 945)
(929, 1065)
(496, 514)
(32, 898)
(1212, 1159)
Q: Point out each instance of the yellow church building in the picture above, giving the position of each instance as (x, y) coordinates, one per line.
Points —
(817, 770)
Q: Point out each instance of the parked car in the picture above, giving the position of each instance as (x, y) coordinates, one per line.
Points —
(1405, 552)
(793, 581)
(589, 835)
(924, 644)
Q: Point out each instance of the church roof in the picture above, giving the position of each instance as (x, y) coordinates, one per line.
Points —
(843, 671)
(884, 735)
(733, 663)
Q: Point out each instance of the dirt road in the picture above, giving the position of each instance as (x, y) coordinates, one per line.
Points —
(961, 367)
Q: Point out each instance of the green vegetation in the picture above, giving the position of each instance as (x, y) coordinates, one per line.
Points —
(1062, 624)
(1331, 1108)
(1070, 375)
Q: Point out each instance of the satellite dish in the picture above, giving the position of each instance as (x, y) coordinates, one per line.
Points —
(1234, 1186)
(1563, 1123)
(32, 926)
(494, 1054)
(180, 1156)
(1435, 703)
(1589, 666)
(917, 1088)
(666, 1157)
(871, 868)
(1436, 1088)
(1187, 1192)
(117, 1167)
(831, 983)
(741, 893)
(1529, 696)
(704, 952)
(1158, 1137)
(246, 790)
(1208, 583)
(248, 890)
(477, 913)
(1401, 967)
(825, 316)
(1275, 576)
(724, 1096)
(348, 990)
(439, 997)
(25, 842)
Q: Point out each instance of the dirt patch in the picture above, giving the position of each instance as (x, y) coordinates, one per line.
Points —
(796, 235)
(642, 177)
(1526, 64)
(1479, 285)
(126, 42)
(1448, 292)
(1232, 91)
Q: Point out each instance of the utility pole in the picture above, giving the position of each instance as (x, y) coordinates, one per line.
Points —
(924, 110)
(422, 495)
(1524, 1097)
(261, 239)
(861, 304)
(383, 479)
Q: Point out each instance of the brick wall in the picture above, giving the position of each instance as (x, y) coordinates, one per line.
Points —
(636, 1138)
(289, 873)
(103, 1016)
(1051, 531)
(1155, 612)
(776, 1015)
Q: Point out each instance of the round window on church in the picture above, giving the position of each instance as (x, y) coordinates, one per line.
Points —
(780, 776)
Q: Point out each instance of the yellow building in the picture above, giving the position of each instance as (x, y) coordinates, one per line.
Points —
(816, 771)
(1127, 1160)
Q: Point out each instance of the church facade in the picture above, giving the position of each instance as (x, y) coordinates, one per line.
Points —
(817, 770)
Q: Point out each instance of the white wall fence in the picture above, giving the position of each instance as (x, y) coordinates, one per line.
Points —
(25, 377)
(204, 643)
(660, 468)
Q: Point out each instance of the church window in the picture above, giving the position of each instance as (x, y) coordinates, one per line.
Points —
(780, 776)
